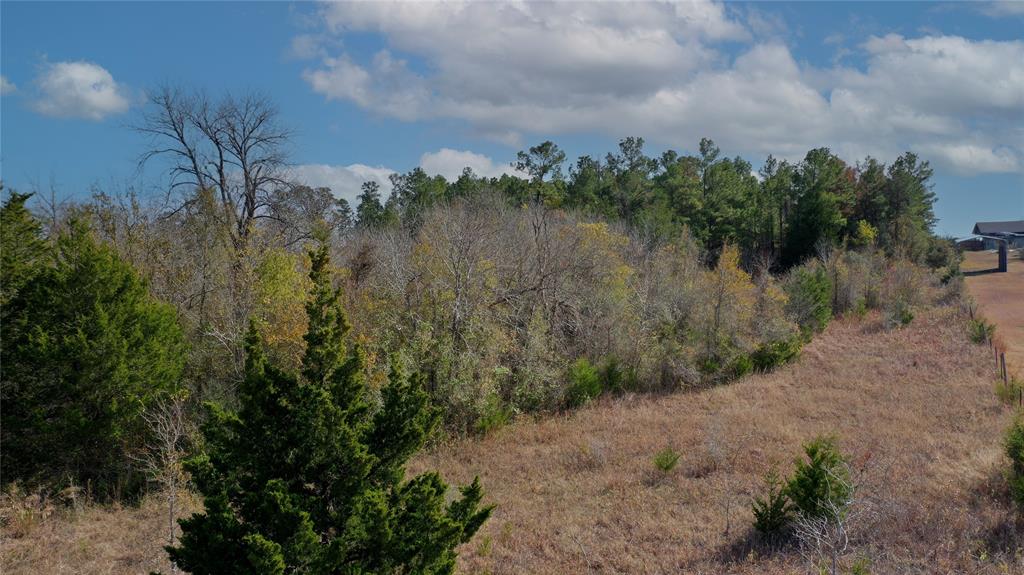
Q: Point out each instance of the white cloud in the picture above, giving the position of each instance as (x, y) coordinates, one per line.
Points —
(1002, 8)
(344, 181)
(973, 159)
(515, 72)
(450, 163)
(6, 86)
(79, 90)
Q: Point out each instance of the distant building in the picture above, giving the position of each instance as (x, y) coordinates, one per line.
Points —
(971, 245)
(994, 233)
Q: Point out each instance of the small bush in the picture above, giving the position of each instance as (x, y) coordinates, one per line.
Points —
(493, 415)
(775, 353)
(773, 512)
(741, 366)
(821, 483)
(899, 313)
(1014, 446)
(980, 331)
(1009, 392)
(584, 383)
(617, 378)
(666, 460)
(810, 298)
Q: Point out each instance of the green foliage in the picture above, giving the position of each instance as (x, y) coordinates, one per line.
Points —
(584, 383)
(865, 235)
(1014, 449)
(821, 483)
(22, 247)
(666, 460)
(980, 331)
(773, 511)
(1008, 392)
(741, 366)
(617, 378)
(823, 190)
(493, 416)
(307, 477)
(775, 353)
(86, 350)
(810, 297)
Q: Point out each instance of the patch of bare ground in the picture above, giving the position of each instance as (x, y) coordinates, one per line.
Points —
(914, 408)
(579, 493)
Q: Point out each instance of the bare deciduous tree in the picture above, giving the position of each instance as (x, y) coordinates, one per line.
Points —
(234, 146)
(170, 430)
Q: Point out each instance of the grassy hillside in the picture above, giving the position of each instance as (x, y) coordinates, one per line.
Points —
(913, 407)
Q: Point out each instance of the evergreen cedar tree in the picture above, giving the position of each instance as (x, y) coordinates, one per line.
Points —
(306, 477)
(85, 351)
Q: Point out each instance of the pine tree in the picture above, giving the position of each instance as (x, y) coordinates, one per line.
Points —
(86, 350)
(307, 477)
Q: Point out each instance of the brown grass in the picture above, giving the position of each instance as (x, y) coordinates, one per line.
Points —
(53, 537)
(914, 407)
(579, 493)
(999, 297)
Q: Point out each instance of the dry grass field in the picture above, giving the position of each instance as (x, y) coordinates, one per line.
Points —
(913, 407)
(1000, 298)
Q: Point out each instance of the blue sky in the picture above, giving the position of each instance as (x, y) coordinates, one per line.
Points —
(373, 87)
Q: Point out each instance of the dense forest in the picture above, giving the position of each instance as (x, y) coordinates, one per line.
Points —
(448, 307)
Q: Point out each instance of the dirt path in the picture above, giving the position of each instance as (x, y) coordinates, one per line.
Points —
(1000, 298)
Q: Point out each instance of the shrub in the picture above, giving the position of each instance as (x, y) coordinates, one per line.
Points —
(775, 353)
(666, 460)
(741, 366)
(1014, 446)
(1009, 392)
(821, 483)
(86, 351)
(980, 331)
(306, 478)
(810, 297)
(584, 383)
(773, 512)
(899, 313)
(616, 378)
(493, 415)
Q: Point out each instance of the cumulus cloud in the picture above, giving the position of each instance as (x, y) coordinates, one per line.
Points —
(6, 86)
(79, 90)
(512, 71)
(344, 181)
(450, 163)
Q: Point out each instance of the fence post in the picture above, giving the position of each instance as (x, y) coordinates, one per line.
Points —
(1002, 365)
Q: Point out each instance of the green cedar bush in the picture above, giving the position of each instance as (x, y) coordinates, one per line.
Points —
(773, 512)
(820, 484)
(306, 478)
(666, 460)
(584, 383)
(810, 298)
(775, 353)
(86, 351)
